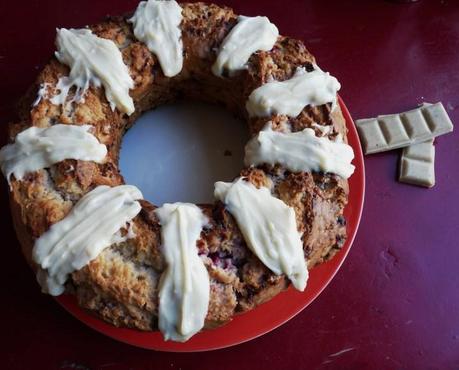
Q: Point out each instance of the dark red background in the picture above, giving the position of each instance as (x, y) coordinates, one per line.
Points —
(395, 302)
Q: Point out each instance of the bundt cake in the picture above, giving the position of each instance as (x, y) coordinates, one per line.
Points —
(134, 260)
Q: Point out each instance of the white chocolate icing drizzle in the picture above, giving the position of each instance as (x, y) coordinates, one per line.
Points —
(268, 226)
(36, 148)
(92, 225)
(289, 97)
(249, 35)
(93, 61)
(184, 286)
(157, 24)
(300, 151)
(42, 93)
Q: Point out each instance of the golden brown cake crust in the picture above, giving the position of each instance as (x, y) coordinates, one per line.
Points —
(120, 285)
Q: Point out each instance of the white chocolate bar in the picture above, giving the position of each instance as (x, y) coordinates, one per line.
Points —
(417, 164)
(393, 131)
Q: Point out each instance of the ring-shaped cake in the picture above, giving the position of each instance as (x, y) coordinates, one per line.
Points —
(179, 267)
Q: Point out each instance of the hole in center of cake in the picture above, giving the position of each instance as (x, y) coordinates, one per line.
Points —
(177, 152)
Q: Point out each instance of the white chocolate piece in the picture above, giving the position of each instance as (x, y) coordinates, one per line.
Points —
(184, 287)
(300, 151)
(394, 131)
(249, 35)
(93, 61)
(157, 24)
(36, 148)
(92, 225)
(291, 96)
(268, 226)
(417, 164)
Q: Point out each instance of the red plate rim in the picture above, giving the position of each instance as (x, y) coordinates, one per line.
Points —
(267, 316)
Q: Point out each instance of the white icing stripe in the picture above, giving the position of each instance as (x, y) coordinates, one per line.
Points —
(184, 286)
(268, 226)
(36, 148)
(300, 151)
(157, 24)
(42, 93)
(90, 227)
(291, 96)
(92, 60)
(248, 36)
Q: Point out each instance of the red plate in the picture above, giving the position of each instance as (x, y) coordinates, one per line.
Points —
(266, 317)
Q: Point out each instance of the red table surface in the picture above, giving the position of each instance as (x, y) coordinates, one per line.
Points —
(395, 302)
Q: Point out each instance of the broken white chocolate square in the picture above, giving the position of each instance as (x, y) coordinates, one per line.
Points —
(417, 164)
(401, 130)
